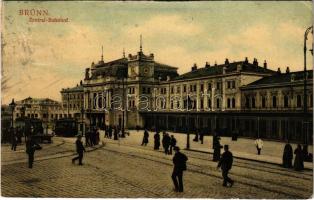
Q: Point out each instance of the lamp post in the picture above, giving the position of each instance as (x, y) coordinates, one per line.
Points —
(12, 106)
(82, 115)
(308, 30)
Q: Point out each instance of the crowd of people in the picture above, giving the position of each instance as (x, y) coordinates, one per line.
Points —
(92, 137)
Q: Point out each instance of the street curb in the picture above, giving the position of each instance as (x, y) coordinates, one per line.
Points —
(242, 158)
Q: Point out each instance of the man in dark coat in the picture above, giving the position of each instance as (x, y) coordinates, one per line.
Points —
(202, 136)
(226, 163)
(79, 149)
(145, 138)
(166, 142)
(13, 139)
(287, 156)
(173, 143)
(217, 149)
(31, 147)
(87, 138)
(179, 161)
(110, 132)
(156, 141)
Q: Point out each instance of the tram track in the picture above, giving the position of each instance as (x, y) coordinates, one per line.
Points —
(261, 184)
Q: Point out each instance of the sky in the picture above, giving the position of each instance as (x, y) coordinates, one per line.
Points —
(39, 59)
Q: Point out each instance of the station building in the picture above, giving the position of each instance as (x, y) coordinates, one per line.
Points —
(242, 97)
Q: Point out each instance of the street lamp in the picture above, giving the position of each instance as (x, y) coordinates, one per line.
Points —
(12, 106)
(308, 30)
(82, 115)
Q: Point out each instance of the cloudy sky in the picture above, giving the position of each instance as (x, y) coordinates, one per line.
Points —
(39, 59)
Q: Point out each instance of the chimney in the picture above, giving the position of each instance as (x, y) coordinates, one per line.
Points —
(207, 65)
(255, 63)
(287, 70)
(81, 82)
(278, 70)
(194, 67)
(239, 67)
(226, 61)
(265, 64)
(224, 69)
(246, 60)
(86, 73)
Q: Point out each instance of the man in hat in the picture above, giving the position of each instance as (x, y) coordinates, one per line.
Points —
(79, 149)
(179, 161)
(226, 163)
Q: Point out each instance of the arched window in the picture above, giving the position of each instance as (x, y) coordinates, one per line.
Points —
(253, 102)
(233, 102)
(263, 102)
(218, 103)
(274, 101)
(247, 102)
(286, 101)
(209, 103)
(228, 103)
(299, 101)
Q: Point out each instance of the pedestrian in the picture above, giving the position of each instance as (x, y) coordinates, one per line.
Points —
(173, 143)
(217, 149)
(166, 142)
(110, 132)
(106, 132)
(97, 136)
(298, 160)
(156, 141)
(305, 153)
(145, 138)
(179, 161)
(196, 136)
(87, 138)
(13, 139)
(31, 147)
(287, 156)
(115, 133)
(79, 149)
(259, 145)
(202, 136)
(226, 163)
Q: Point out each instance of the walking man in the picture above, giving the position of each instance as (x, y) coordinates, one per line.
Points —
(13, 139)
(79, 149)
(226, 163)
(156, 140)
(259, 145)
(145, 138)
(173, 143)
(166, 142)
(179, 161)
(31, 147)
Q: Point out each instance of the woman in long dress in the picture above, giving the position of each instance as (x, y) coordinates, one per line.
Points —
(298, 161)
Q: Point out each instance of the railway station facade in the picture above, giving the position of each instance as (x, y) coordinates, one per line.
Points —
(242, 97)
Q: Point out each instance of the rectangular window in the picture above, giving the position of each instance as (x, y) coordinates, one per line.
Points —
(178, 89)
(209, 86)
(184, 88)
(172, 90)
(218, 86)
(202, 88)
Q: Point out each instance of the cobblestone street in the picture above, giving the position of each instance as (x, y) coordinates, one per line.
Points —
(126, 169)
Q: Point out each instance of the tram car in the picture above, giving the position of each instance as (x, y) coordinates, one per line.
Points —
(66, 127)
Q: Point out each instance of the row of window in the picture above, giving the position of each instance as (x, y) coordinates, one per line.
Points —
(74, 96)
(251, 102)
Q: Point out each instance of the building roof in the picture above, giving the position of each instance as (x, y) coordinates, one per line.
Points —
(77, 88)
(218, 70)
(281, 78)
(37, 101)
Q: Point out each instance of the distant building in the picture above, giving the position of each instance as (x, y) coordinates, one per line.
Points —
(44, 109)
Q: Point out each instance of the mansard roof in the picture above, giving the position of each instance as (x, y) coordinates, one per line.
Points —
(37, 101)
(281, 78)
(218, 70)
(77, 88)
